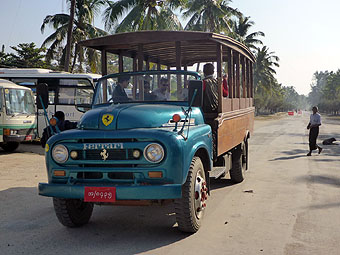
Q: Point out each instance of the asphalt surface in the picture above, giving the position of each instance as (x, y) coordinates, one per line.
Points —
(288, 204)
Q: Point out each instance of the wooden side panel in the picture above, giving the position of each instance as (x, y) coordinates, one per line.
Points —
(226, 104)
(247, 102)
(236, 104)
(243, 103)
(233, 128)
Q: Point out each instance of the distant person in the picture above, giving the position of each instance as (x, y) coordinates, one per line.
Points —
(62, 125)
(162, 93)
(210, 89)
(119, 94)
(225, 85)
(313, 126)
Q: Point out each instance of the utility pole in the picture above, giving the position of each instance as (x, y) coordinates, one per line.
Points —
(69, 36)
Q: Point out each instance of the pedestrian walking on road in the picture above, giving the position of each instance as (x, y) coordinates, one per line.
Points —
(313, 126)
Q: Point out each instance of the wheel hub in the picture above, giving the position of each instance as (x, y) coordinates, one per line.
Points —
(201, 195)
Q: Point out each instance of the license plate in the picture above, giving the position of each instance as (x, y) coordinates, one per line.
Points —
(100, 194)
(28, 138)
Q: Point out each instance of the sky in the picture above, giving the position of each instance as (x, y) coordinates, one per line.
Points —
(304, 34)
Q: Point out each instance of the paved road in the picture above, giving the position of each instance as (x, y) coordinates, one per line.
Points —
(289, 204)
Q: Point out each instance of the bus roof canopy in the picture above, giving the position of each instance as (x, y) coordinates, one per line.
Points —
(160, 46)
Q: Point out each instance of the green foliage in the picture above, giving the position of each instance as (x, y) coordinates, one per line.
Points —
(27, 55)
(85, 12)
(240, 32)
(326, 91)
(141, 15)
(209, 15)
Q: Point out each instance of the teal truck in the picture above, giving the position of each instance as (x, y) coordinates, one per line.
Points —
(146, 139)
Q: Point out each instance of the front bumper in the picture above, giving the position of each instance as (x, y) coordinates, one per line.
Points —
(126, 192)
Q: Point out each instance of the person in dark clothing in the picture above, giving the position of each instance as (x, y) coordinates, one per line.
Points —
(313, 126)
(62, 125)
(119, 94)
(210, 89)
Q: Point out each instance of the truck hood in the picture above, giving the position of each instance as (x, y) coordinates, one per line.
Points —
(129, 116)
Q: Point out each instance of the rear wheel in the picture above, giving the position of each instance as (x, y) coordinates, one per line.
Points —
(190, 208)
(72, 212)
(239, 163)
(10, 146)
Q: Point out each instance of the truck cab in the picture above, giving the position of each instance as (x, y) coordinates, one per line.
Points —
(147, 140)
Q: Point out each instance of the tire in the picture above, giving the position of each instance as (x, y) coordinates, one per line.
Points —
(190, 208)
(10, 146)
(72, 212)
(239, 163)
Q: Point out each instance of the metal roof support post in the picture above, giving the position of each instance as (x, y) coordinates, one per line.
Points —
(248, 78)
(230, 72)
(185, 76)
(178, 66)
(159, 67)
(140, 56)
(120, 63)
(251, 80)
(134, 69)
(244, 95)
(219, 56)
(104, 62)
(237, 87)
(104, 72)
(147, 68)
(168, 75)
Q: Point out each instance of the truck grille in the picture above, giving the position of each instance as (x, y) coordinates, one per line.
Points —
(115, 154)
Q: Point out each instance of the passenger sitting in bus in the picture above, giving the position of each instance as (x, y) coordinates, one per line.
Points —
(148, 94)
(162, 92)
(62, 125)
(210, 89)
(119, 94)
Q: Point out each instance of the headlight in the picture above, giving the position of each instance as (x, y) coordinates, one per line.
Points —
(60, 153)
(154, 153)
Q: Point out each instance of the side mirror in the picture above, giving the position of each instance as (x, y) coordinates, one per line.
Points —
(83, 107)
(42, 92)
(198, 86)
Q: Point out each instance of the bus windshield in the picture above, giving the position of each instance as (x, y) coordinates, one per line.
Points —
(19, 101)
(143, 87)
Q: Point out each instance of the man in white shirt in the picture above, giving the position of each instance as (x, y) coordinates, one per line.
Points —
(313, 126)
(162, 93)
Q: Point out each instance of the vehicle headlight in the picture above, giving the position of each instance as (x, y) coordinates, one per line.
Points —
(60, 153)
(154, 152)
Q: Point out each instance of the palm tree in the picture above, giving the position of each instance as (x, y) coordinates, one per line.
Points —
(264, 69)
(85, 11)
(240, 32)
(209, 15)
(141, 15)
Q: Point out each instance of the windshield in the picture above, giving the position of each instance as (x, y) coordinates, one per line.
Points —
(143, 87)
(19, 101)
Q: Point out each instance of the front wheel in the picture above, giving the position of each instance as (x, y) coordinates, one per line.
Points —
(190, 208)
(239, 163)
(10, 146)
(72, 212)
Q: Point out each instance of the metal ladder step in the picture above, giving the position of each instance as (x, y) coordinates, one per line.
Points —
(216, 172)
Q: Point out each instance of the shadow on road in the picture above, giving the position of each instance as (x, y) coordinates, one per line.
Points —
(320, 179)
(28, 224)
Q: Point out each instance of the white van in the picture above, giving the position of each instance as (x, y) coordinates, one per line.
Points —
(67, 91)
(17, 115)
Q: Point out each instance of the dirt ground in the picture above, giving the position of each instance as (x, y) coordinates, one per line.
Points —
(288, 204)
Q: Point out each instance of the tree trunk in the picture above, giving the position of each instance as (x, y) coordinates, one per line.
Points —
(69, 36)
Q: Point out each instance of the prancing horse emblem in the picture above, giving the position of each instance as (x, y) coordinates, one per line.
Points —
(104, 154)
(107, 119)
